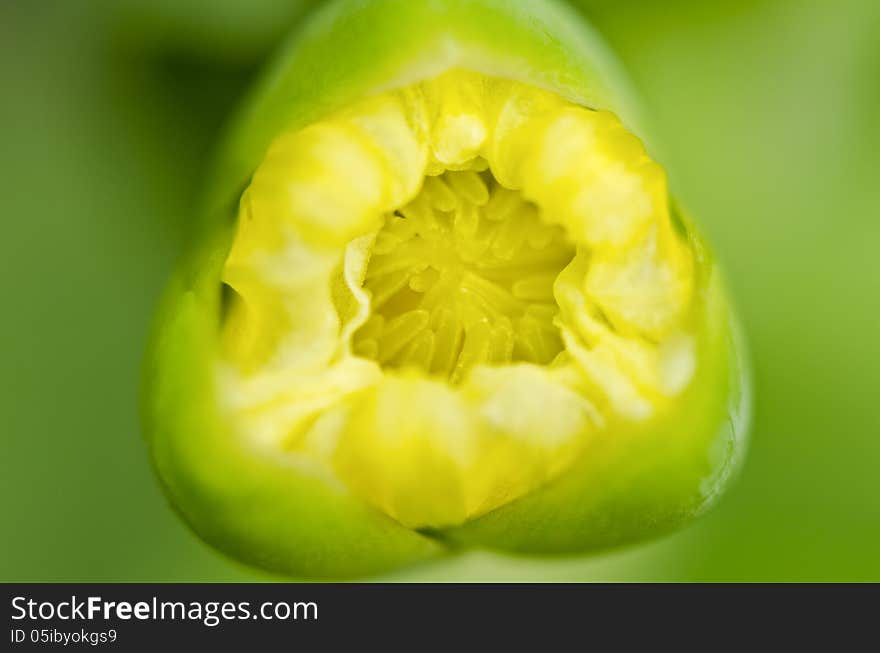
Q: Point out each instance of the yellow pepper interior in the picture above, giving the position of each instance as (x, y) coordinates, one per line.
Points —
(440, 296)
(463, 276)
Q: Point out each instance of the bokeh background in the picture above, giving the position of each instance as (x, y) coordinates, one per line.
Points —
(769, 112)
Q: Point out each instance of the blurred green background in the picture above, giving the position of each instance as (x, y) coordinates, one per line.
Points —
(769, 112)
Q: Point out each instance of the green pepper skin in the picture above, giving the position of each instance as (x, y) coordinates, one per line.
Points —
(269, 512)
(347, 50)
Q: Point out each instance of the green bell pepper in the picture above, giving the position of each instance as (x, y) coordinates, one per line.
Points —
(440, 297)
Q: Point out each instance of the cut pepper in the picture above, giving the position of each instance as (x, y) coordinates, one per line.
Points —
(453, 306)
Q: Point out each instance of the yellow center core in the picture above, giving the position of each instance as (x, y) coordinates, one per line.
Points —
(463, 276)
(442, 296)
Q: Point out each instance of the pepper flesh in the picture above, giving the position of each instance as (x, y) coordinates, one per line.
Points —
(462, 304)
